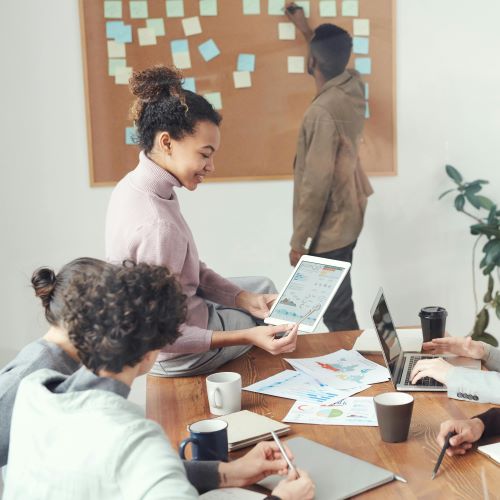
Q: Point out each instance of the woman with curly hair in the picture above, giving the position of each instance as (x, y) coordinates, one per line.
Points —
(77, 437)
(178, 132)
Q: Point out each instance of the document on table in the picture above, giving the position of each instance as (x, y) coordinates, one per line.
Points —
(341, 369)
(291, 384)
(350, 411)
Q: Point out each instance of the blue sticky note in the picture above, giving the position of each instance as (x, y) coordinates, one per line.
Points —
(125, 35)
(189, 84)
(130, 135)
(179, 46)
(246, 62)
(363, 65)
(367, 109)
(114, 28)
(208, 50)
(360, 45)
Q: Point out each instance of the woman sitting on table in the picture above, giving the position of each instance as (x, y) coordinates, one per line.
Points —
(462, 383)
(179, 134)
(77, 437)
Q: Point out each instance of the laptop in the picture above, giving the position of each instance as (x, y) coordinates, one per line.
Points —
(401, 363)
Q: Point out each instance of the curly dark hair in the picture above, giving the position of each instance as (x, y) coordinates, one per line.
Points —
(116, 317)
(162, 105)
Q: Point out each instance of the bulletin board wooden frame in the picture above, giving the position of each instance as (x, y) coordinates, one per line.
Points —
(260, 123)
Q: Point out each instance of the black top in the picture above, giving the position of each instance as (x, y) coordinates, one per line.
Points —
(491, 421)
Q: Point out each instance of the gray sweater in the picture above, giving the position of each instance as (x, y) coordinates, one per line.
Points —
(35, 356)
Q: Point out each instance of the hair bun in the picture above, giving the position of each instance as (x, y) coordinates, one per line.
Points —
(155, 83)
(44, 283)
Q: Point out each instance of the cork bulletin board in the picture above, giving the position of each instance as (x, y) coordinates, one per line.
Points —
(246, 62)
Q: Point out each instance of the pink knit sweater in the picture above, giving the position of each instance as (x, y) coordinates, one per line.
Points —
(144, 224)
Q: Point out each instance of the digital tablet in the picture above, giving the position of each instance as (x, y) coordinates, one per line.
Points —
(308, 292)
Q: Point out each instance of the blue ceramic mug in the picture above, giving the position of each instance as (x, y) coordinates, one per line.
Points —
(208, 440)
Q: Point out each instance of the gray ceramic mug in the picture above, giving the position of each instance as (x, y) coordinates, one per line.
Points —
(394, 411)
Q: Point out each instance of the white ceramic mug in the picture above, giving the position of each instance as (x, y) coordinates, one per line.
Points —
(224, 392)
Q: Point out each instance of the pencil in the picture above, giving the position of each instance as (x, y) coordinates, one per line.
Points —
(283, 452)
(446, 445)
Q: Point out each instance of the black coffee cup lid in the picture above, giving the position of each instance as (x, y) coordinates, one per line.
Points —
(433, 312)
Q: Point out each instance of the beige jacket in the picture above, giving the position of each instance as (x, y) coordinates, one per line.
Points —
(330, 187)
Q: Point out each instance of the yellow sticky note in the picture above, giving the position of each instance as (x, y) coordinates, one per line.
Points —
(191, 26)
(242, 79)
(113, 9)
(361, 27)
(296, 64)
(116, 49)
(122, 75)
(146, 36)
(286, 31)
(214, 98)
(182, 60)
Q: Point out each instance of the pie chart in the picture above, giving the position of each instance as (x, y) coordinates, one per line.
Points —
(330, 413)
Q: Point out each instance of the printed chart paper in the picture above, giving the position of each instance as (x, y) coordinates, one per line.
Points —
(290, 384)
(342, 369)
(350, 411)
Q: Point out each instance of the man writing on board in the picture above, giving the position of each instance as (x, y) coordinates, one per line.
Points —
(330, 187)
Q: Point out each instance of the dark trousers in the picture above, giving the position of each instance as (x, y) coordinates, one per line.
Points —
(340, 314)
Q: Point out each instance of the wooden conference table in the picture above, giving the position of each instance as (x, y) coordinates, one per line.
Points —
(176, 402)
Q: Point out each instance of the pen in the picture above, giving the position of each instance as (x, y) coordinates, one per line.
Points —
(446, 445)
(283, 452)
(284, 334)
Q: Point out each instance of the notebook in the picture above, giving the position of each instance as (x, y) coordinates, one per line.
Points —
(246, 428)
(335, 474)
(492, 451)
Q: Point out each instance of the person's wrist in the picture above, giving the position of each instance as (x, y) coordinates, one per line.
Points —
(478, 427)
(228, 475)
(240, 299)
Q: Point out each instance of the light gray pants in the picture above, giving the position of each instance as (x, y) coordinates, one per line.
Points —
(220, 318)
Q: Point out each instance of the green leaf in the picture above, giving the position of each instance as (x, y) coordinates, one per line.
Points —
(488, 295)
(472, 188)
(487, 270)
(486, 338)
(484, 202)
(472, 199)
(445, 193)
(486, 229)
(454, 174)
(482, 320)
(459, 202)
(492, 251)
(492, 217)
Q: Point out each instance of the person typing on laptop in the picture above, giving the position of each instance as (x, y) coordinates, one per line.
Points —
(462, 383)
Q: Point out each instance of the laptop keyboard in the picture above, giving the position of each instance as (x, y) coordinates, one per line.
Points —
(425, 381)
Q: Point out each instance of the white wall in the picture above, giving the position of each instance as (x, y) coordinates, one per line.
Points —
(418, 248)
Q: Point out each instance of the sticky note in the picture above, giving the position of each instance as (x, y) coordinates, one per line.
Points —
(215, 99)
(138, 9)
(181, 60)
(276, 7)
(208, 7)
(361, 27)
(113, 9)
(367, 110)
(296, 64)
(189, 84)
(360, 45)
(157, 25)
(208, 50)
(146, 36)
(114, 28)
(328, 8)
(114, 64)
(251, 7)
(363, 65)
(242, 79)
(116, 49)
(179, 46)
(350, 8)
(286, 31)
(191, 26)
(122, 75)
(130, 135)
(246, 62)
(367, 90)
(305, 4)
(174, 8)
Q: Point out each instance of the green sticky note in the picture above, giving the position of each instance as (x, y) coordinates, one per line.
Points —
(174, 8)
(208, 7)
(305, 6)
(138, 9)
(350, 8)
(130, 135)
(113, 9)
(157, 25)
(276, 7)
(328, 8)
(251, 7)
(114, 64)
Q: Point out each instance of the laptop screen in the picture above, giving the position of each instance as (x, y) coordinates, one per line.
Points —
(386, 331)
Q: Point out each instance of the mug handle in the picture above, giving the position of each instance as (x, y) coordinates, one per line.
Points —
(182, 446)
(216, 398)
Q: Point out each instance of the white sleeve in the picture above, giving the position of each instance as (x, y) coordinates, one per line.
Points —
(474, 385)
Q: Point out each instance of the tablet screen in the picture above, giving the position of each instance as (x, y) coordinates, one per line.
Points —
(310, 286)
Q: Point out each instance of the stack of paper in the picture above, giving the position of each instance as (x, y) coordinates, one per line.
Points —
(491, 451)
(246, 428)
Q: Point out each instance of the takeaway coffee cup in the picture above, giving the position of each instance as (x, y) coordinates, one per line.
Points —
(433, 319)
(208, 440)
(394, 415)
(224, 392)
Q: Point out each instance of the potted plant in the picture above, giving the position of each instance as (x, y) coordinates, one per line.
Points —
(486, 228)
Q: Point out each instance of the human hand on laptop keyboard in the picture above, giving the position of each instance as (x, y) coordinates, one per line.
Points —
(461, 346)
(436, 368)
